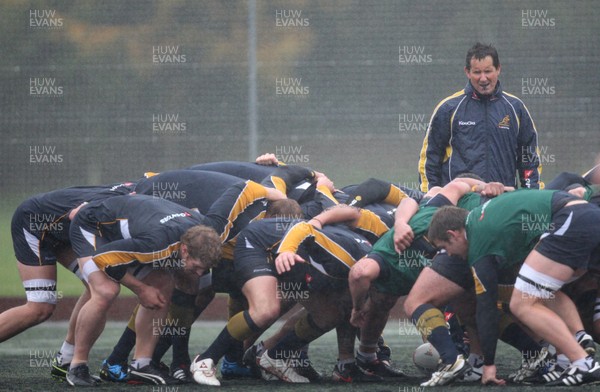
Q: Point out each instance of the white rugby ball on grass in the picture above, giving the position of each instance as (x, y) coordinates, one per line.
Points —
(426, 358)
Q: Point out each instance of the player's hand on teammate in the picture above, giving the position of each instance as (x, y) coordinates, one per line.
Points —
(286, 260)
(403, 236)
(492, 189)
(579, 191)
(316, 223)
(323, 180)
(267, 159)
(151, 297)
(489, 376)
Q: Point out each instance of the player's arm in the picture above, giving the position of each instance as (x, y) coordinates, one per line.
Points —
(359, 218)
(433, 150)
(577, 190)
(336, 214)
(403, 234)
(236, 199)
(114, 258)
(299, 234)
(285, 177)
(374, 190)
(362, 274)
(487, 315)
(528, 159)
(459, 187)
(268, 159)
(149, 297)
(323, 198)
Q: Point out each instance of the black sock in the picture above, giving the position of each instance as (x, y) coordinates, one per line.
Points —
(181, 348)
(289, 345)
(431, 323)
(163, 345)
(123, 347)
(235, 353)
(220, 346)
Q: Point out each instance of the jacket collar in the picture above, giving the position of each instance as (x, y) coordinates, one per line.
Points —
(471, 92)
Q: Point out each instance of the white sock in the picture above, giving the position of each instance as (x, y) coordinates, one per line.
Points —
(65, 355)
(140, 363)
(74, 365)
(475, 360)
(343, 362)
(562, 361)
(584, 363)
(260, 349)
(579, 334)
(367, 357)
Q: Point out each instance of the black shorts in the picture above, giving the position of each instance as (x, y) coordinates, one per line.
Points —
(454, 269)
(222, 278)
(305, 277)
(246, 267)
(573, 235)
(85, 239)
(33, 246)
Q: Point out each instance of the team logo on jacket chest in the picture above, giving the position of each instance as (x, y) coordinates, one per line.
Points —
(505, 123)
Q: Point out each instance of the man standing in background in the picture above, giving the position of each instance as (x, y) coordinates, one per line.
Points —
(481, 130)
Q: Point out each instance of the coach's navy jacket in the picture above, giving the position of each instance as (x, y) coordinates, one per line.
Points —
(491, 136)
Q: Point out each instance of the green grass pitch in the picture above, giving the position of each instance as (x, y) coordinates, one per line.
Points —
(25, 363)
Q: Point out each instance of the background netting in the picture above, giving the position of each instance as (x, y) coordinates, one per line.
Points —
(102, 91)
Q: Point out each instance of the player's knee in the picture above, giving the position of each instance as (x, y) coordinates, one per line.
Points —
(266, 313)
(39, 311)
(517, 307)
(532, 286)
(105, 294)
(270, 314)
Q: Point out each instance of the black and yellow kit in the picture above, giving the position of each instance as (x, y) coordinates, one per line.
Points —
(144, 229)
(330, 252)
(40, 225)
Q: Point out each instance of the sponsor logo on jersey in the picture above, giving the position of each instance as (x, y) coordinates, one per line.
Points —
(125, 184)
(466, 123)
(173, 216)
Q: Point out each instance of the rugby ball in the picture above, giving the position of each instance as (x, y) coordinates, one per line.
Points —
(426, 359)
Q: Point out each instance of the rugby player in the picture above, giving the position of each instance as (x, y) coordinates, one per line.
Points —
(40, 232)
(199, 190)
(505, 232)
(130, 249)
(386, 273)
(326, 253)
(257, 243)
(446, 280)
